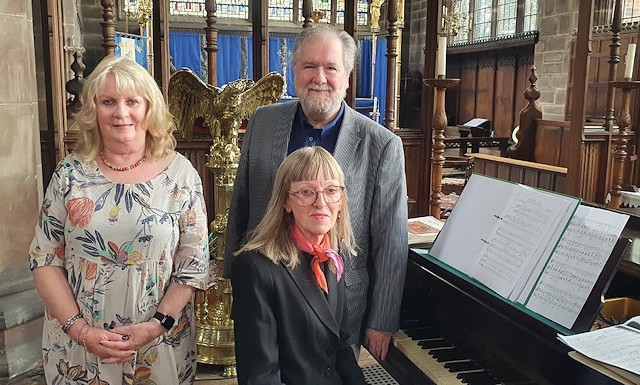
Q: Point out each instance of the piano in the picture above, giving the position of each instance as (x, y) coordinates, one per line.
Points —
(454, 331)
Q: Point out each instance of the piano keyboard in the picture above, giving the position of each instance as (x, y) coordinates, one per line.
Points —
(440, 361)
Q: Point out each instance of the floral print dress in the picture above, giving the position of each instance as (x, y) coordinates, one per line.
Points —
(121, 245)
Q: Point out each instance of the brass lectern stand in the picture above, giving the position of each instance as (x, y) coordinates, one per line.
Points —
(222, 109)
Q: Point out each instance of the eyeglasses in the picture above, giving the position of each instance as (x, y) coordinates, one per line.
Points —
(307, 196)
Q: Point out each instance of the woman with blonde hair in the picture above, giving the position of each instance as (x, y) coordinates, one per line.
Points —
(289, 310)
(121, 242)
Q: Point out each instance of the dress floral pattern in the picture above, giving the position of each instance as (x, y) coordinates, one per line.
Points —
(121, 245)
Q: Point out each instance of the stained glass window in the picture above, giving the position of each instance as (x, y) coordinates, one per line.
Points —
(187, 8)
(232, 9)
(281, 10)
(362, 12)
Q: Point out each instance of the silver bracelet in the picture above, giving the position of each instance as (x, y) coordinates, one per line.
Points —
(67, 325)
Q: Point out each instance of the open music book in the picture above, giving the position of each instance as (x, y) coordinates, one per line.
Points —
(537, 248)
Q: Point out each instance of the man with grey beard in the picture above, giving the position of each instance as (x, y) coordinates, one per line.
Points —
(372, 159)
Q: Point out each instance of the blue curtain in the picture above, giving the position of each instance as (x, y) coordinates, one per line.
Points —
(364, 75)
(186, 52)
(228, 58)
(380, 72)
(184, 48)
(380, 76)
(274, 55)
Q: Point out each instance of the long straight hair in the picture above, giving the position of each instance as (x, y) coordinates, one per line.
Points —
(272, 237)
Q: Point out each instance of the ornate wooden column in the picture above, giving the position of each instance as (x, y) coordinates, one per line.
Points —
(439, 124)
(578, 97)
(260, 34)
(614, 59)
(392, 55)
(108, 28)
(307, 13)
(160, 27)
(211, 36)
(620, 148)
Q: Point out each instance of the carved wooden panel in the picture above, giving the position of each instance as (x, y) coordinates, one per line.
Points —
(551, 138)
(594, 188)
(503, 121)
(596, 100)
(415, 161)
(491, 84)
(485, 87)
(467, 91)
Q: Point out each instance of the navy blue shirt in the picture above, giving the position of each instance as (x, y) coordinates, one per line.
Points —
(304, 135)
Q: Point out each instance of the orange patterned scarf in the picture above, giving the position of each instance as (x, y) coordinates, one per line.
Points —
(321, 253)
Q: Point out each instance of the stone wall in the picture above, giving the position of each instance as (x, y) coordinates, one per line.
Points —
(417, 39)
(20, 178)
(557, 24)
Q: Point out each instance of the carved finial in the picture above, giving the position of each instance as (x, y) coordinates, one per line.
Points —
(532, 93)
(74, 86)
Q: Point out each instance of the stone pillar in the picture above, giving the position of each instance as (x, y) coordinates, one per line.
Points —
(20, 177)
(417, 27)
(557, 24)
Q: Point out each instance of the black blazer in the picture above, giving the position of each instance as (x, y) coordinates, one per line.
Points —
(286, 330)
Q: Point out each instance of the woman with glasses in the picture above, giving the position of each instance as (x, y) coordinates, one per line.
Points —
(289, 311)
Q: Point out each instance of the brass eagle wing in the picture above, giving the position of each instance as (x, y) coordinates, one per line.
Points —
(266, 90)
(189, 99)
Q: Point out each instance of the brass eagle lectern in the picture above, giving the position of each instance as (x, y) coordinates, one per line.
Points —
(222, 109)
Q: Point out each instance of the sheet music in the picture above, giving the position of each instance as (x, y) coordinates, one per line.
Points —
(460, 240)
(555, 230)
(616, 345)
(528, 222)
(576, 264)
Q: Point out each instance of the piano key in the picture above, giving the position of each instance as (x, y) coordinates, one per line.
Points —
(479, 377)
(429, 366)
(434, 343)
(433, 369)
(448, 355)
(460, 366)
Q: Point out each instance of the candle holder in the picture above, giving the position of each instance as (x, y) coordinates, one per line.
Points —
(620, 147)
(439, 124)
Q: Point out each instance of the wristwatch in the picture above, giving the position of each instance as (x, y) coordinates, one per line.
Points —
(165, 320)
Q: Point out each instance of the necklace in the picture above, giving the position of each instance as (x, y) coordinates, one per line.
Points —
(125, 168)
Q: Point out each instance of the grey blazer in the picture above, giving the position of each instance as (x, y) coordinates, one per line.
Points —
(372, 159)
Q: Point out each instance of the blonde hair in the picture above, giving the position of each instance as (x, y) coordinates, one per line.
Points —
(129, 77)
(272, 237)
